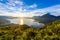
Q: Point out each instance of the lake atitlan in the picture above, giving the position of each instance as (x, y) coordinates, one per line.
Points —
(29, 22)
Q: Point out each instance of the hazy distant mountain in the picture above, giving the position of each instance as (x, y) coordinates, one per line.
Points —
(3, 20)
(47, 18)
(8, 17)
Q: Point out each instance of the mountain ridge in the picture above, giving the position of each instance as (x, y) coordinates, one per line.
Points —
(46, 18)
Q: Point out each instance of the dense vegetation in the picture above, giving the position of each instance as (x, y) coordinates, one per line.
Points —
(24, 32)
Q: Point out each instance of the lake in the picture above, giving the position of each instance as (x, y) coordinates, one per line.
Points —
(27, 21)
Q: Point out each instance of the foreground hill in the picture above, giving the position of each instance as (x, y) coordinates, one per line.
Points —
(24, 32)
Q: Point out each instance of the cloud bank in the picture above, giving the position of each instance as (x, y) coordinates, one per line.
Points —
(18, 7)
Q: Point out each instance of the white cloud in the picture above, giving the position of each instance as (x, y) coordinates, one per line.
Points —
(54, 10)
(33, 6)
(5, 9)
(14, 2)
(19, 2)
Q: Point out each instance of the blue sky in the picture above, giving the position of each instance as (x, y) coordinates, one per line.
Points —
(42, 3)
(29, 7)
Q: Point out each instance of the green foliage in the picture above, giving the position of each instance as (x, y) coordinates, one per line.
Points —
(24, 32)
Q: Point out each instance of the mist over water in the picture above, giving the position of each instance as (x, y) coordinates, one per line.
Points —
(29, 22)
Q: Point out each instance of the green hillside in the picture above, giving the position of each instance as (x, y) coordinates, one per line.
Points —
(24, 32)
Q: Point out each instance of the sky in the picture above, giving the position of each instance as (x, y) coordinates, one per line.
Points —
(29, 8)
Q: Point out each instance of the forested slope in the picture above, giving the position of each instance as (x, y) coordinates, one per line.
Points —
(24, 32)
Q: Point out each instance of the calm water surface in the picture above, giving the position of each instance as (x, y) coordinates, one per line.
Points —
(30, 22)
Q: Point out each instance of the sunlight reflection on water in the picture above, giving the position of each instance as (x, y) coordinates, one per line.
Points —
(21, 21)
(29, 22)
